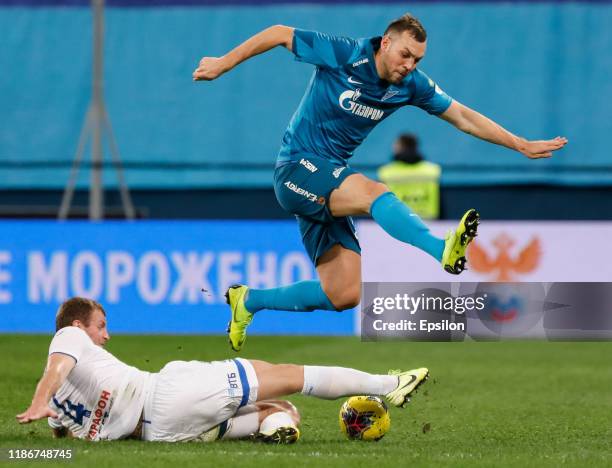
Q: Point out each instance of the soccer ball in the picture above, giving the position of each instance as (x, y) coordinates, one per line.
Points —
(364, 418)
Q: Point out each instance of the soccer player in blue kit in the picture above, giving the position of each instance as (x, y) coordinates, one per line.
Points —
(357, 83)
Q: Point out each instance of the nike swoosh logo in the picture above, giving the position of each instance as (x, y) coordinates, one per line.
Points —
(413, 378)
(353, 81)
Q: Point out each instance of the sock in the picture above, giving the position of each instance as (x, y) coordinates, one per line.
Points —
(302, 296)
(276, 420)
(243, 424)
(330, 383)
(398, 221)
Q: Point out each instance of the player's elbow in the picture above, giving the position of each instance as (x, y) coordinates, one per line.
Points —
(284, 35)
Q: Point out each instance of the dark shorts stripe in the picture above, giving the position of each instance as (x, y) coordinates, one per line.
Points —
(222, 429)
(246, 389)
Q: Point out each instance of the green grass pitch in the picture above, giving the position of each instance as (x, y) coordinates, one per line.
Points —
(486, 404)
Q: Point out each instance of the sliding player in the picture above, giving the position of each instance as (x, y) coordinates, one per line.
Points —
(357, 84)
(88, 393)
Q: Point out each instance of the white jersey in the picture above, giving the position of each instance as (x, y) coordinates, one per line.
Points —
(102, 398)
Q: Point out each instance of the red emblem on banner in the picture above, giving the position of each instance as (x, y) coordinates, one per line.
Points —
(504, 265)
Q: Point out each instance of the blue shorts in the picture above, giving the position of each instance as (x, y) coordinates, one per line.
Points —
(303, 188)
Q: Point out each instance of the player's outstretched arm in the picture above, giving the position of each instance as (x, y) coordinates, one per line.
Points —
(210, 68)
(58, 368)
(473, 123)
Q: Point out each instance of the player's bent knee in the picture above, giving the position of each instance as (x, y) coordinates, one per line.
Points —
(375, 190)
(345, 305)
(346, 298)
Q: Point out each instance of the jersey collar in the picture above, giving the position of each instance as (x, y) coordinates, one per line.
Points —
(372, 45)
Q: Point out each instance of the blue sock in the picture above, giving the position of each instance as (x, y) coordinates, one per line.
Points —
(302, 296)
(395, 217)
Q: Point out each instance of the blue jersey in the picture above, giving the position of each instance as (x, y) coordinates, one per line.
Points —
(346, 98)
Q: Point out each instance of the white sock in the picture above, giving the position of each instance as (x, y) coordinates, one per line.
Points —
(334, 382)
(276, 420)
(243, 424)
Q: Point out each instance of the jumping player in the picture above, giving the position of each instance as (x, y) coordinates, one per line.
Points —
(357, 83)
(88, 393)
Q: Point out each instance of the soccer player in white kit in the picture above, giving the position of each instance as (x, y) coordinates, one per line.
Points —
(88, 393)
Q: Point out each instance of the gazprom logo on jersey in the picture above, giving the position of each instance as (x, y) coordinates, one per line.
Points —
(348, 101)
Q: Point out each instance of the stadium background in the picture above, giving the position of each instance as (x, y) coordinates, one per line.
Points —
(202, 150)
(206, 151)
(199, 158)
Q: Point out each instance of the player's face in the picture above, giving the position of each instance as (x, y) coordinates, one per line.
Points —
(400, 54)
(97, 328)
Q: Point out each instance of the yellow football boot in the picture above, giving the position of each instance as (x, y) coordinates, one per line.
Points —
(408, 382)
(453, 258)
(241, 317)
(284, 435)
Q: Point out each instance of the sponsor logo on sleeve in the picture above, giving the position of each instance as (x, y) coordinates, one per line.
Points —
(436, 88)
(360, 62)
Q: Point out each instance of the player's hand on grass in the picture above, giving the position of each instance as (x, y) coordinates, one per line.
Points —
(34, 413)
(542, 148)
(209, 68)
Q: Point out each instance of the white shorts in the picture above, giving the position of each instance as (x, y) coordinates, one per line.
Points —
(189, 398)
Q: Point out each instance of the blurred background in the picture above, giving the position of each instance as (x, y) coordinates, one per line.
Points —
(198, 158)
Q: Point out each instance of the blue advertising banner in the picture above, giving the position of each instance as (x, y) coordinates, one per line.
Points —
(154, 276)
